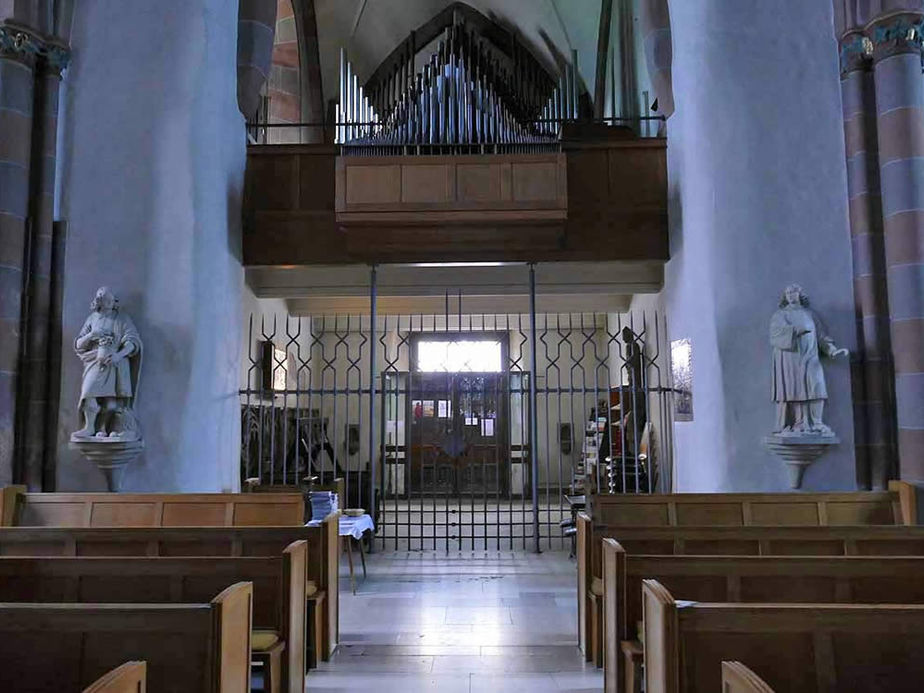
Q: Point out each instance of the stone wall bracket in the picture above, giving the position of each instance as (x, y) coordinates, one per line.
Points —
(110, 455)
(799, 451)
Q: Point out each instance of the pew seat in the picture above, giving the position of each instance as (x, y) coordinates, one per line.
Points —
(797, 648)
(278, 640)
(741, 579)
(322, 564)
(189, 648)
(130, 677)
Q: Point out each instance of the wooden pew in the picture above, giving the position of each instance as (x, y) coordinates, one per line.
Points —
(149, 509)
(737, 678)
(797, 648)
(618, 511)
(131, 677)
(322, 564)
(278, 593)
(192, 648)
(795, 579)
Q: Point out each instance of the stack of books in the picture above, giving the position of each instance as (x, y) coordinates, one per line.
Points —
(323, 503)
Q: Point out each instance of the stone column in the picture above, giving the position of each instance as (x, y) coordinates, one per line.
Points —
(872, 365)
(656, 37)
(256, 28)
(897, 47)
(35, 406)
(18, 50)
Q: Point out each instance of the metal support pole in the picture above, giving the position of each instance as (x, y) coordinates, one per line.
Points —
(533, 409)
(373, 295)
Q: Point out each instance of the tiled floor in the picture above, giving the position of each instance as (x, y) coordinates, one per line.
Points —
(464, 622)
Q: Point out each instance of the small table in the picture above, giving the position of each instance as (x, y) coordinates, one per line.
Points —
(353, 528)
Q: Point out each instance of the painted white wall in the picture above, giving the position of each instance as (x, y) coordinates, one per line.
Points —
(758, 200)
(155, 154)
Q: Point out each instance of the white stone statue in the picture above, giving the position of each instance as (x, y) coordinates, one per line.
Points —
(798, 337)
(110, 348)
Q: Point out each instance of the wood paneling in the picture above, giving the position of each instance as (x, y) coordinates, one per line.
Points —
(598, 200)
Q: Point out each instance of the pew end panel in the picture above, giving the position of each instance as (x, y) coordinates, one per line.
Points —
(584, 550)
(737, 678)
(907, 501)
(130, 677)
(662, 642)
(295, 565)
(233, 623)
(614, 613)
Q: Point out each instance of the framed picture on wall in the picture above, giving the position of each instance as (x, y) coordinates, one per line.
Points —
(682, 376)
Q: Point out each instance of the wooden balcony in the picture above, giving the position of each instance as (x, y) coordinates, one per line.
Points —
(597, 199)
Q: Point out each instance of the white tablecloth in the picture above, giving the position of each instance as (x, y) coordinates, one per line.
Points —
(355, 526)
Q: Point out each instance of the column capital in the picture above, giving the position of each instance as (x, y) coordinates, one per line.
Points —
(856, 52)
(897, 33)
(31, 48)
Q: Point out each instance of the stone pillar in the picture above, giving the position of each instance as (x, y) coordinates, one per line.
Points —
(152, 176)
(656, 38)
(872, 364)
(757, 188)
(18, 49)
(36, 408)
(897, 47)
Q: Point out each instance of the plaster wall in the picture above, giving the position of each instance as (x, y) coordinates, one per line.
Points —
(154, 155)
(758, 199)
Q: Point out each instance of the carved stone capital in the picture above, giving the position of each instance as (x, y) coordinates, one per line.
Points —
(856, 51)
(896, 34)
(24, 45)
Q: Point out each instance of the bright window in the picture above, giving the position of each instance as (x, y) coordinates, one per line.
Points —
(459, 356)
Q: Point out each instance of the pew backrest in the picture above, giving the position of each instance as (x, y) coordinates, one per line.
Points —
(798, 648)
(187, 647)
(130, 677)
(278, 588)
(750, 509)
(151, 509)
(738, 678)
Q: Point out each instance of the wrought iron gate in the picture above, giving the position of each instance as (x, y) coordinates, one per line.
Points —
(473, 444)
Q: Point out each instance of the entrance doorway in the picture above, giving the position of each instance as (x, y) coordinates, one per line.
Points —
(459, 435)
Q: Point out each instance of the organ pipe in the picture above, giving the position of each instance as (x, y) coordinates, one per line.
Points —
(467, 93)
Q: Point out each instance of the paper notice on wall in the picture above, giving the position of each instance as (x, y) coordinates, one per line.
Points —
(487, 428)
(443, 410)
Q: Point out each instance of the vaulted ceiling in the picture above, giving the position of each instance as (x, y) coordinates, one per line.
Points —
(371, 29)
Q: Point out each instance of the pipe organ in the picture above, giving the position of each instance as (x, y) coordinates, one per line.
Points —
(467, 96)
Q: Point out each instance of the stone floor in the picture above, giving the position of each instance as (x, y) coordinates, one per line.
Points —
(463, 622)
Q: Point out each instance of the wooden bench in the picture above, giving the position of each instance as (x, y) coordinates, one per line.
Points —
(278, 593)
(797, 648)
(617, 511)
(795, 579)
(21, 509)
(192, 648)
(131, 677)
(321, 570)
(737, 678)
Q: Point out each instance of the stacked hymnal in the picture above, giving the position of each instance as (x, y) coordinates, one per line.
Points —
(323, 503)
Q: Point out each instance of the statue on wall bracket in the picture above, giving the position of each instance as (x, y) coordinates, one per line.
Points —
(110, 348)
(798, 340)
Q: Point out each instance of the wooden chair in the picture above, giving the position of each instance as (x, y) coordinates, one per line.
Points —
(791, 579)
(131, 677)
(189, 648)
(278, 639)
(797, 648)
(737, 678)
